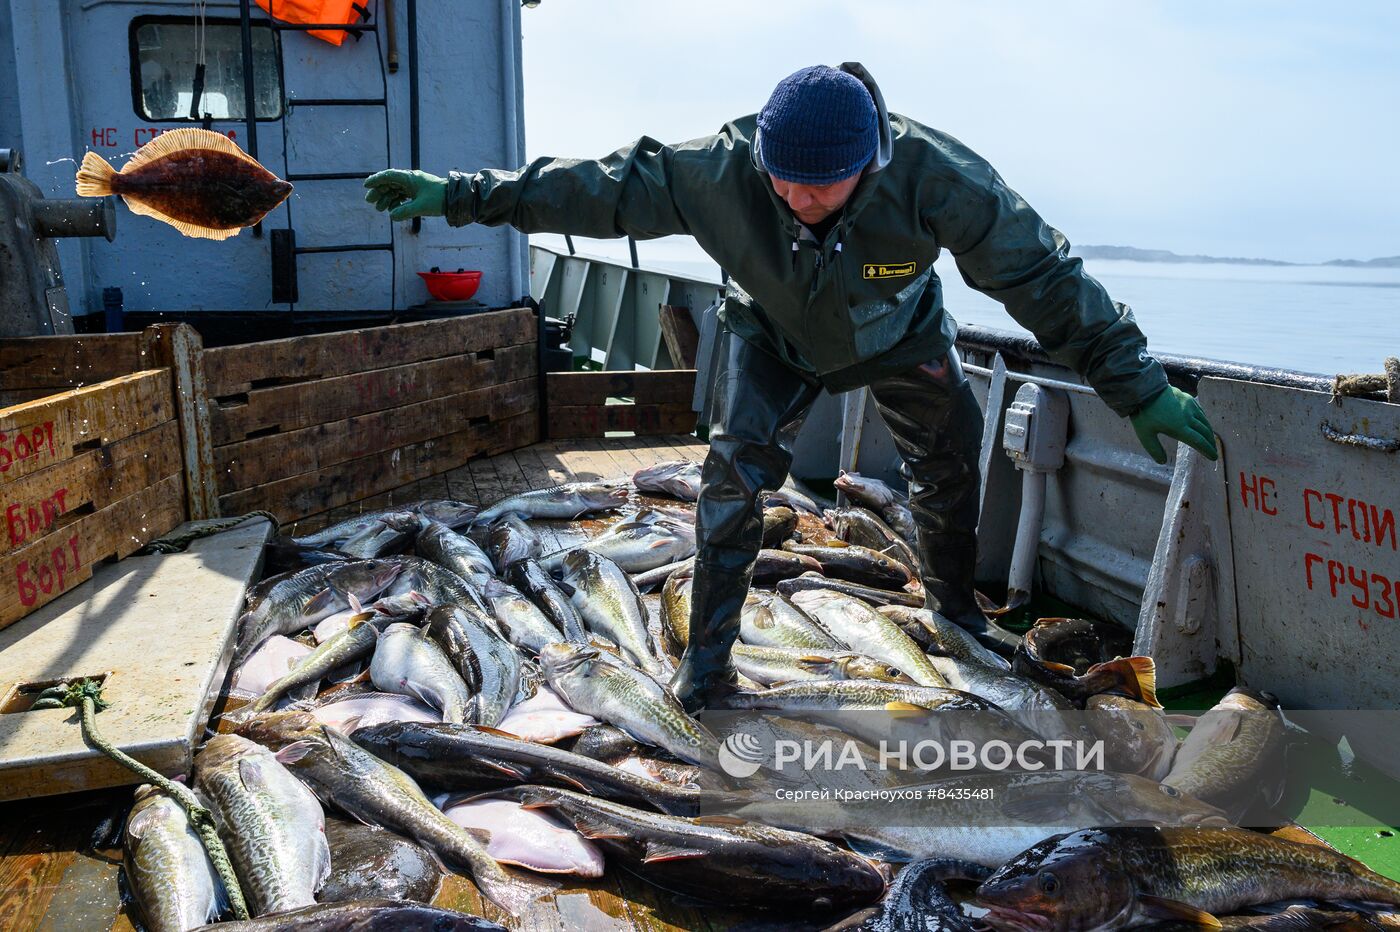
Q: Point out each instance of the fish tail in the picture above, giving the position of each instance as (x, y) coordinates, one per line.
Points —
(1135, 676)
(512, 891)
(95, 176)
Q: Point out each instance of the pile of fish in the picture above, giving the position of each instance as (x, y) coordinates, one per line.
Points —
(442, 687)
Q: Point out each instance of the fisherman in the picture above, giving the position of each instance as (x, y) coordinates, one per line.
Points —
(828, 213)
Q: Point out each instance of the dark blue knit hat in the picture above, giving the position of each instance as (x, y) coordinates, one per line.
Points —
(819, 126)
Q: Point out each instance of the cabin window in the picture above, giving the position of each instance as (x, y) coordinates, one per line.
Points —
(164, 54)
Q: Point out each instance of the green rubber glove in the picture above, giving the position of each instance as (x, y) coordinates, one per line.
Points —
(407, 194)
(1179, 416)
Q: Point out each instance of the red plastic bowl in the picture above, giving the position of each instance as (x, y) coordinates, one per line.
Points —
(451, 286)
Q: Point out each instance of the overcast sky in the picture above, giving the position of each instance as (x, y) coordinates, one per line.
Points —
(1243, 128)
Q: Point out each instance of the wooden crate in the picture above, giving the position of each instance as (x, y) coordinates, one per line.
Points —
(303, 425)
(86, 475)
(593, 404)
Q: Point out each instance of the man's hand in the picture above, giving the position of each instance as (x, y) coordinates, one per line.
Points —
(1177, 415)
(407, 194)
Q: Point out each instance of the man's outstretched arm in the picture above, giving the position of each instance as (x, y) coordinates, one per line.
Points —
(628, 193)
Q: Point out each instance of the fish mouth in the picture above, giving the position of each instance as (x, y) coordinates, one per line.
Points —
(1007, 917)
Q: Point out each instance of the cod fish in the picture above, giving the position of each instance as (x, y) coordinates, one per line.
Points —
(878, 597)
(174, 883)
(392, 534)
(562, 502)
(859, 627)
(368, 862)
(526, 837)
(408, 662)
(738, 863)
(790, 496)
(196, 180)
(863, 527)
(488, 665)
(675, 613)
(464, 757)
(1126, 876)
(677, 478)
(270, 822)
(881, 499)
(937, 635)
(772, 665)
(918, 901)
(855, 564)
(355, 782)
(1234, 755)
(532, 580)
(638, 546)
(511, 539)
(628, 698)
(989, 818)
(769, 620)
(443, 546)
(519, 619)
(376, 915)
(1137, 737)
(609, 605)
(854, 695)
(779, 522)
(1134, 677)
(305, 597)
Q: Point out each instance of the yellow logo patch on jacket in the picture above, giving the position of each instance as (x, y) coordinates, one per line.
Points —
(874, 270)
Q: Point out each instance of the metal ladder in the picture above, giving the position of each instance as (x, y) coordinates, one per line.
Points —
(284, 247)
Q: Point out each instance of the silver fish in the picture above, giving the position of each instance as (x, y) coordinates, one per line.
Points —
(364, 787)
(270, 822)
(638, 546)
(677, 478)
(769, 620)
(306, 597)
(860, 627)
(511, 539)
(564, 502)
(867, 491)
(392, 534)
(488, 663)
(628, 698)
(771, 665)
(456, 552)
(408, 662)
(610, 605)
(174, 883)
(518, 618)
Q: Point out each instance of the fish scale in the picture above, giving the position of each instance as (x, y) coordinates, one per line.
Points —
(271, 823)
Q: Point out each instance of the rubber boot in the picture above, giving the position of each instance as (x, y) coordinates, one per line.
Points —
(937, 428)
(758, 406)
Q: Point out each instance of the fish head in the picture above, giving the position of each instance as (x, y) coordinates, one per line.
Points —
(453, 514)
(601, 495)
(561, 658)
(1066, 882)
(278, 729)
(856, 667)
(1137, 737)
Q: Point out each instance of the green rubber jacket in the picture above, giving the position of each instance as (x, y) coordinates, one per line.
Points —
(864, 302)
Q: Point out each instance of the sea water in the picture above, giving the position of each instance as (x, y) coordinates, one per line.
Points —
(1313, 318)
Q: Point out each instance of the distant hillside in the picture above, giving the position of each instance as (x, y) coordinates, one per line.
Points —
(1388, 262)
(1133, 254)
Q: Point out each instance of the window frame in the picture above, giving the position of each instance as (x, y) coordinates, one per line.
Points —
(165, 19)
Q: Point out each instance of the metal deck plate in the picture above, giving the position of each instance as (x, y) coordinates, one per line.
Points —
(161, 629)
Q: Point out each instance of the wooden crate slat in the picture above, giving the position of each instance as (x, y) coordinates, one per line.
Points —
(250, 463)
(596, 420)
(663, 386)
(90, 481)
(312, 493)
(232, 370)
(290, 407)
(53, 564)
(681, 335)
(37, 434)
(55, 363)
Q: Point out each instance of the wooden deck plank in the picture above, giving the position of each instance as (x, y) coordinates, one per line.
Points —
(488, 485)
(460, 485)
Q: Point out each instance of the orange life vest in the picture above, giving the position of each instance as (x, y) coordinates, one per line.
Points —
(318, 11)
